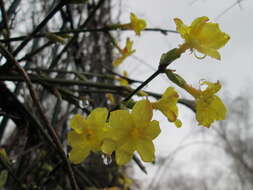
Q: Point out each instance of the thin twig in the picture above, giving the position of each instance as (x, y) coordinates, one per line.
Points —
(72, 40)
(8, 65)
(79, 31)
(34, 96)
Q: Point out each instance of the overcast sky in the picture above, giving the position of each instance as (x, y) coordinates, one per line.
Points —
(234, 70)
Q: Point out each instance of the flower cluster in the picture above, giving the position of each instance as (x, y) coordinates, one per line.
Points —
(124, 132)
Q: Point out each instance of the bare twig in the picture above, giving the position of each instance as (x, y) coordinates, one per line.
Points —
(34, 96)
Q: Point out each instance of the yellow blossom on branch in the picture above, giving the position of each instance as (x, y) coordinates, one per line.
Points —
(86, 134)
(125, 52)
(132, 132)
(167, 104)
(209, 107)
(206, 37)
(136, 24)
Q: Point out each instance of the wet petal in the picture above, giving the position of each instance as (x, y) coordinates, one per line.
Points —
(208, 51)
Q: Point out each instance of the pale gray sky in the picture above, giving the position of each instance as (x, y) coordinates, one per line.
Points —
(234, 70)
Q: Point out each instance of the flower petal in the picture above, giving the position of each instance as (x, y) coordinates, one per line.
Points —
(146, 150)
(212, 37)
(142, 113)
(75, 139)
(78, 123)
(168, 104)
(77, 155)
(108, 146)
(98, 115)
(197, 24)
(123, 157)
(208, 51)
(181, 28)
(153, 130)
(121, 122)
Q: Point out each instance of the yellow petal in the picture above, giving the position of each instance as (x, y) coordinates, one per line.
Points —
(146, 150)
(168, 104)
(108, 146)
(208, 51)
(125, 152)
(77, 155)
(197, 25)
(142, 112)
(98, 115)
(75, 139)
(212, 37)
(78, 123)
(123, 157)
(121, 122)
(182, 29)
(153, 130)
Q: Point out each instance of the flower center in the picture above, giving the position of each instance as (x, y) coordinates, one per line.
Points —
(89, 133)
(135, 132)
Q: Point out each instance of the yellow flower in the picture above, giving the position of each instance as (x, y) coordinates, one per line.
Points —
(136, 24)
(205, 37)
(209, 107)
(87, 134)
(127, 51)
(132, 132)
(168, 105)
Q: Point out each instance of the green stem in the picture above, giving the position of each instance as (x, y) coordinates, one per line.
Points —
(155, 74)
